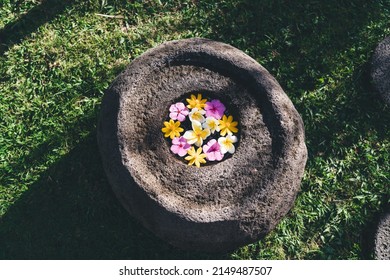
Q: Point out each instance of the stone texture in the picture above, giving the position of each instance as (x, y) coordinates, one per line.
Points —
(380, 69)
(382, 239)
(217, 207)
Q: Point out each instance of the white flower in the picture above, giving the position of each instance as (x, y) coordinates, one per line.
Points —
(197, 134)
(226, 144)
(197, 115)
(212, 124)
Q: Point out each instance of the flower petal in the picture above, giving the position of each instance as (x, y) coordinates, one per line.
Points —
(231, 149)
(211, 156)
(173, 115)
(182, 152)
(233, 130)
(190, 136)
(198, 142)
(180, 106)
(233, 139)
(175, 149)
(180, 117)
(196, 126)
(224, 131)
(218, 156)
(173, 108)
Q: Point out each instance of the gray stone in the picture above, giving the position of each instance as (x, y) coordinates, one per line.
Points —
(380, 69)
(216, 207)
(382, 239)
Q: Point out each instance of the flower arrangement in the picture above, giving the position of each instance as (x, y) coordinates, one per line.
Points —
(201, 131)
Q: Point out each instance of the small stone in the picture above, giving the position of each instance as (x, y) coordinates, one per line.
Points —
(380, 69)
(215, 207)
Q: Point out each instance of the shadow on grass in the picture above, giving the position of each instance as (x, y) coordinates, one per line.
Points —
(71, 213)
(300, 40)
(14, 32)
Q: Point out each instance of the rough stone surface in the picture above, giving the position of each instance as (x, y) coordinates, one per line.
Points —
(217, 207)
(380, 69)
(382, 239)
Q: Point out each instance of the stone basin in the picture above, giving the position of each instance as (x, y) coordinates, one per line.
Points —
(217, 207)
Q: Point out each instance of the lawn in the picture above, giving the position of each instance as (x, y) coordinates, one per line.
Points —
(57, 57)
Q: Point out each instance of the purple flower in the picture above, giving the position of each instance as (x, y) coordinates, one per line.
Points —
(215, 109)
(178, 111)
(213, 150)
(180, 146)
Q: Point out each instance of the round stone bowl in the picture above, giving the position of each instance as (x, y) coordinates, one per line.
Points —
(217, 207)
(380, 69)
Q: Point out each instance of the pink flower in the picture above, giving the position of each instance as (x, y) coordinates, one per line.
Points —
(178, 111)
(215, 109)
(180, 146)
(213, 150)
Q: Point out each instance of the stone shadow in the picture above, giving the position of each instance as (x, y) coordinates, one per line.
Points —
(71, 213)
(15, 31)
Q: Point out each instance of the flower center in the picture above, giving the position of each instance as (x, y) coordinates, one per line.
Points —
(214, 148)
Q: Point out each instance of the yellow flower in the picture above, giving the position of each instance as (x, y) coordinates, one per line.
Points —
(197, 134)
(196, 157)
(172, 129)
(226, 144)
(227, 125)
(196, 102)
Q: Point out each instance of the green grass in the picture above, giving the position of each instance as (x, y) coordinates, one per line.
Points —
(58, 57)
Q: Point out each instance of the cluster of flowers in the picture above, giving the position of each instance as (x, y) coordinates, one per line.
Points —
(208, 122)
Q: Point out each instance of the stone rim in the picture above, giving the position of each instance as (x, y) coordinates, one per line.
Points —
(283, 123)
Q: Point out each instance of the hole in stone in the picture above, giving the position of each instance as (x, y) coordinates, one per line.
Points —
(202, 128)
